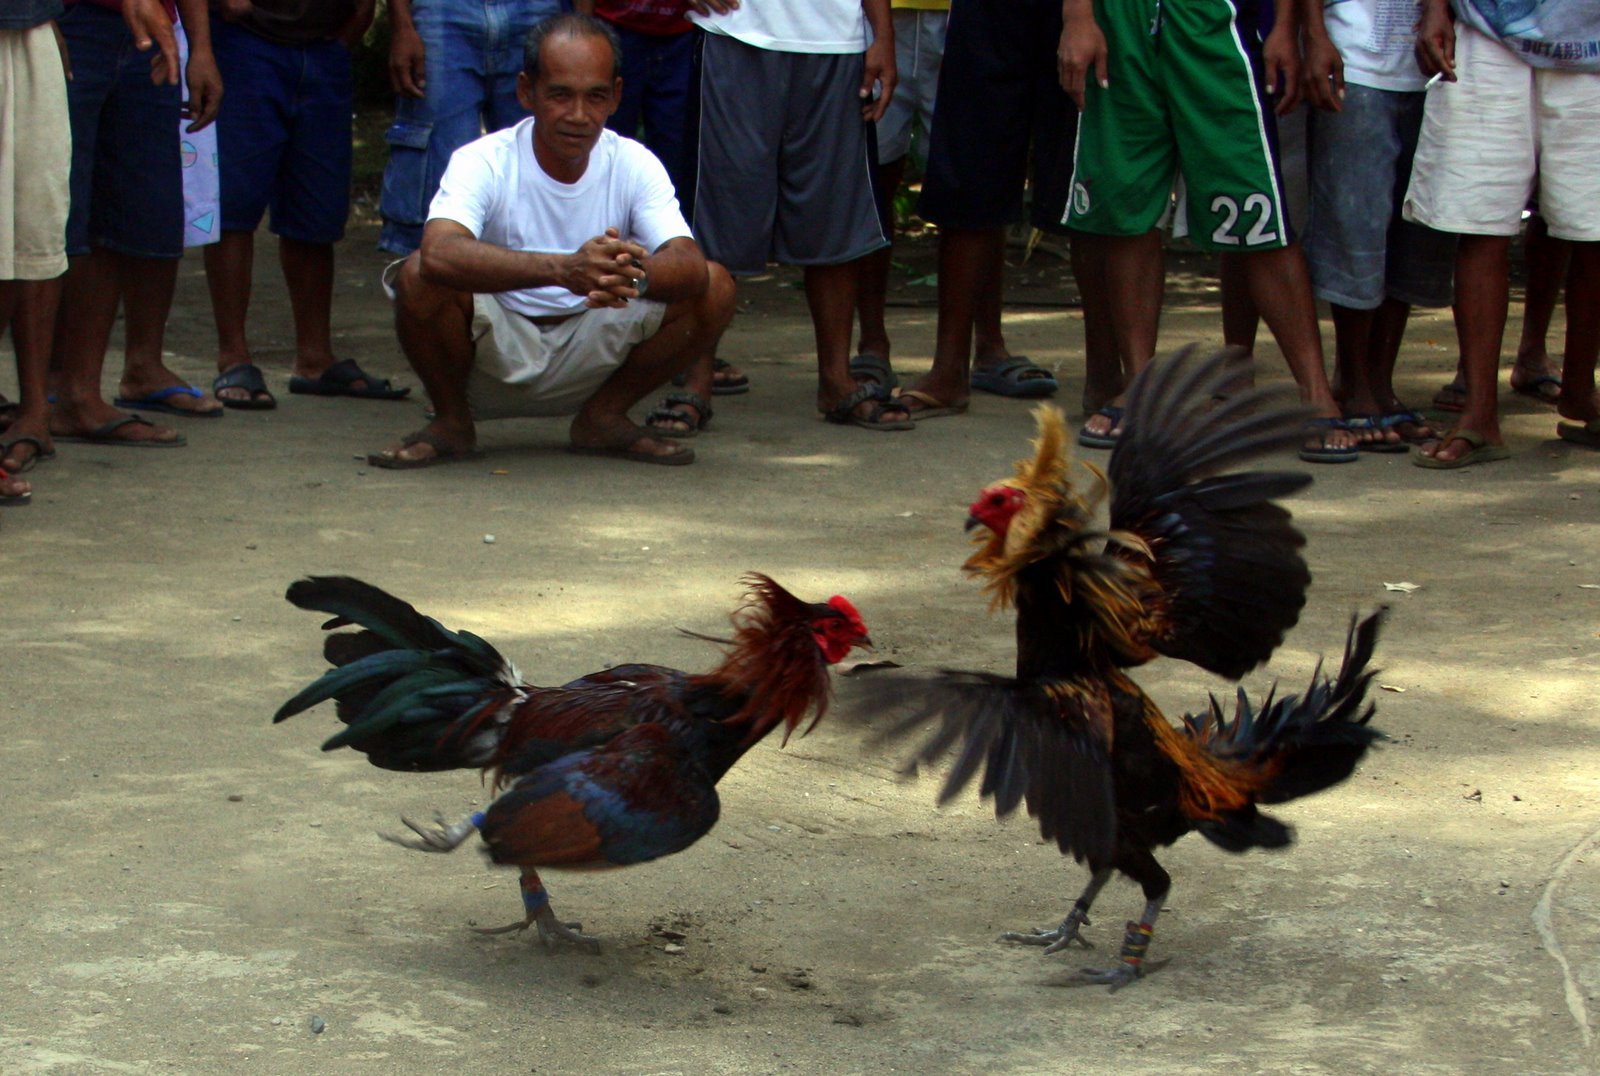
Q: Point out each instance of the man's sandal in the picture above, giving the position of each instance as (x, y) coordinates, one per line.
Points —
(673, 409)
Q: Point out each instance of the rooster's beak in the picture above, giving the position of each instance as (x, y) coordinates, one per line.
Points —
(972, 521)
(865, 643)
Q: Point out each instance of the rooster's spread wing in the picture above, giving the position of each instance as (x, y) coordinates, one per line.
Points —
(1227, 578)
(1045, 744)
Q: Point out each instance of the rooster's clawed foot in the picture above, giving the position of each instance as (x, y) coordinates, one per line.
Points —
(551, 930)
(1054, 940)
(435, 836)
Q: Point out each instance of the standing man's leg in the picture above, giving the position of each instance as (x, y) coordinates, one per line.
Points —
(127, 210)
(1534, 374)
(33, 112)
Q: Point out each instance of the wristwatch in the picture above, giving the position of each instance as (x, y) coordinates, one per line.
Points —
(642, 284)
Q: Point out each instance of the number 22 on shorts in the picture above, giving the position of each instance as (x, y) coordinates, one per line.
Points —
(1258, 205)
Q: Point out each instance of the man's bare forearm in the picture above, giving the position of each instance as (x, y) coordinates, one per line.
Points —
(879, 18)
(196, 17)
(400, 14)
(677, 271)
(464, 263)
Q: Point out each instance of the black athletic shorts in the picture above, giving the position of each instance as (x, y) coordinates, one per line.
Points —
(999, 94)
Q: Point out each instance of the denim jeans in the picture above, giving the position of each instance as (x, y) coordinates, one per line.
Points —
(127, 186)
(473, 52)
(283, 135)
(657, 72)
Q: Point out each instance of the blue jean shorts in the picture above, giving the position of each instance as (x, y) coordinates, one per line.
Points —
(127, 174)
(472, 53)
(1359, 250)
(283, 135)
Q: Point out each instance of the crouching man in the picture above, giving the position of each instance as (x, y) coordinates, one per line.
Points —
(556, 275)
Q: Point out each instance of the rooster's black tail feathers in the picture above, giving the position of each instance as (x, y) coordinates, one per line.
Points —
(412, 692)
(1303, 743)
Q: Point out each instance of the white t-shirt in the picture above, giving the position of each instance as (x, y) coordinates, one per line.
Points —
(819, 26)
(496, 190)
(1376, 39)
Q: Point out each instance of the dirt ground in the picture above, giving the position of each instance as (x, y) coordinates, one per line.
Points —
(188, 888)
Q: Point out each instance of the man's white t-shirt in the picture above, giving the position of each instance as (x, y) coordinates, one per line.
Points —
(818, 26)
(497, 191)
(1375, 39)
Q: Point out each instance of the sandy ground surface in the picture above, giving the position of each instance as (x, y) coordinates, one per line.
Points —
(186, 887)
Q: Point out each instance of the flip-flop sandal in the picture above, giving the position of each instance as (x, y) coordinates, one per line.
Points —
(843, 413)
(106, 434)
(40, 453)
(1395, 419)
(869, 369)
(932, 406)
(671, 410)
(1109, 439)
(1372, 423)
(157, 401)
(1481, 451)
(246, 376)
(443, 453)
(1324, 452)
(1018, 377)
(1531, 389)
(682, 458)
(1451, 398)
(340, 380)
(14, 500)
(729, 384)
(1587, 435)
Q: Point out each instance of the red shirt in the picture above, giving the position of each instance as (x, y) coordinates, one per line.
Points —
(659, 17)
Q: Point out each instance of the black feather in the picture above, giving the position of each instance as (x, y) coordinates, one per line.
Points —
(1227, 558)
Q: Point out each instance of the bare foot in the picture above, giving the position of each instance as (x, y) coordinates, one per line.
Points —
(13, 488)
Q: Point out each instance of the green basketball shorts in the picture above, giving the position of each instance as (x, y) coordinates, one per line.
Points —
(1186, 92)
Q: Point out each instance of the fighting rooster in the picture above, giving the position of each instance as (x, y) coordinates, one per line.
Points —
(616, 768)
(1198, 564)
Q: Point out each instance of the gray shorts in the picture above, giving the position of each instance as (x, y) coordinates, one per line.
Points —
(785, 168)
(918, 55)
(1359, 250)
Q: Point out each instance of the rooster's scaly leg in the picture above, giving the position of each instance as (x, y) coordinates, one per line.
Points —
(536, 899)
(1059, 938)
(1135, 944)
(437, 836)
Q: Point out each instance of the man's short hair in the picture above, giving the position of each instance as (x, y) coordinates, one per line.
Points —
(570, 25)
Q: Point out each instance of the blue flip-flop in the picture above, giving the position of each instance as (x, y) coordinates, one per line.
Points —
(1323, 452)
(157, 401)
(1102, 440)
(1018, 377)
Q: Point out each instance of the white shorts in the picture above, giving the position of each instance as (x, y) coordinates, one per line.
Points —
(918, 55)
(1486, 138)
(35, 155)
(523, 369)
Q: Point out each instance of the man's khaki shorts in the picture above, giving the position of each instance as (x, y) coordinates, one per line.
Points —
(523, 369)
(35, 155)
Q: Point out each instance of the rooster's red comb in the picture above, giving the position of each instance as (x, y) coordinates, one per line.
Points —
(845, 608)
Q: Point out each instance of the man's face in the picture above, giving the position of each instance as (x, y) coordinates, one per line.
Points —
(574, 96)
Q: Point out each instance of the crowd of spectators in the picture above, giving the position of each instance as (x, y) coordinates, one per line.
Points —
(575, 187)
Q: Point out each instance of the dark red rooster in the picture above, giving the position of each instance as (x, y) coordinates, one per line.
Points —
(616, 768)
(1198, 565)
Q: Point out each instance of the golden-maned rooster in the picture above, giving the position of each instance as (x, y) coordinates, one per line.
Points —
(1198, 564)
(616, 768)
